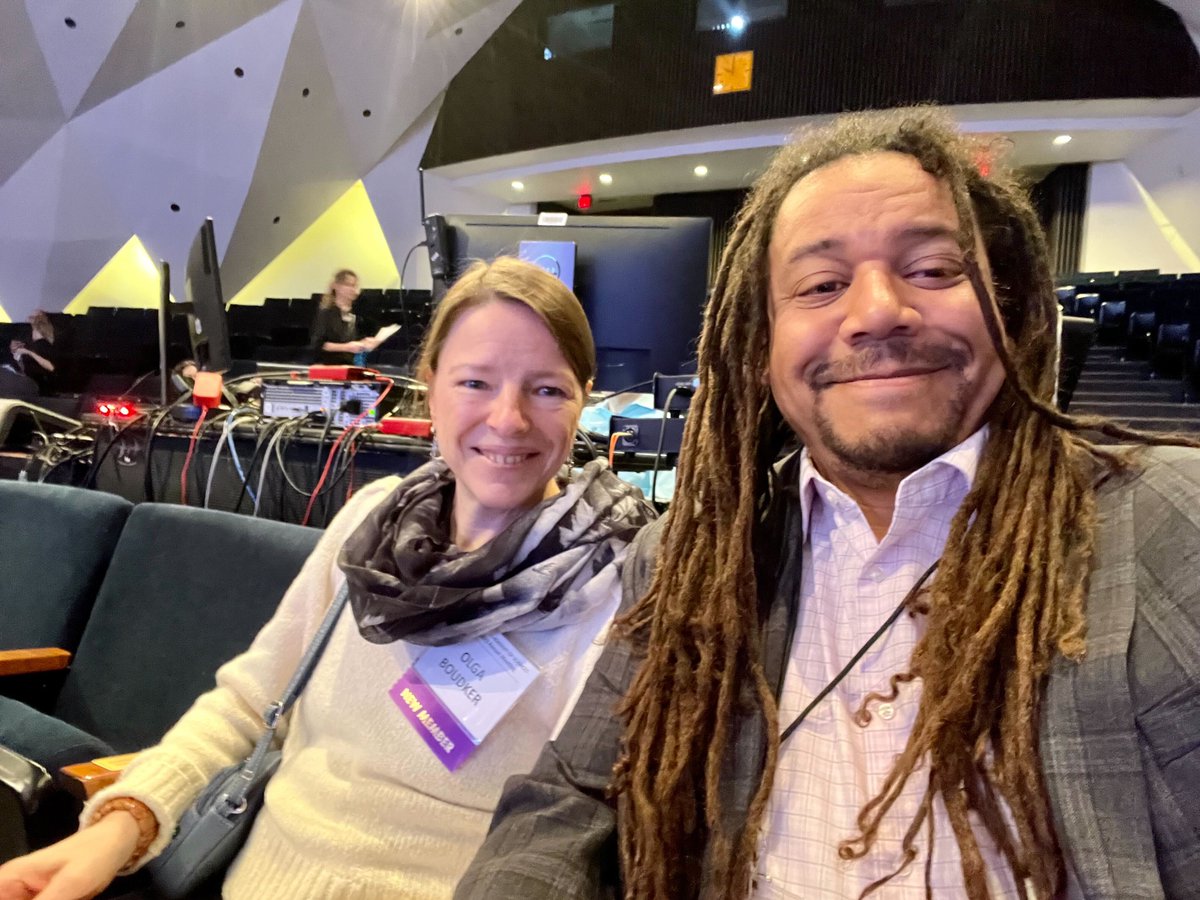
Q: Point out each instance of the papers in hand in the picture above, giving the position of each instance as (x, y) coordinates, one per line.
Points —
(386, 332)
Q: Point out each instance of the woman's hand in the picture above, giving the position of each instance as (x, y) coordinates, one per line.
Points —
(369, 343)
(75, 868)
(357, 347)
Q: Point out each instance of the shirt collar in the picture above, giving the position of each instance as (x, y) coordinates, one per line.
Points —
(963, 458)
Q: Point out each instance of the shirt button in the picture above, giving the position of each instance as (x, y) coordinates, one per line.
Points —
(886, 711)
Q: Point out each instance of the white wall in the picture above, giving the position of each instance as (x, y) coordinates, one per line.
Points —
(394, 186)
(1169, 169)
(1126, 227)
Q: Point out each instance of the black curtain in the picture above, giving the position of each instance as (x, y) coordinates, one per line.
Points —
(1061, 199)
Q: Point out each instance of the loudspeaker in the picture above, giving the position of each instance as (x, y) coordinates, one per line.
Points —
(437, 240)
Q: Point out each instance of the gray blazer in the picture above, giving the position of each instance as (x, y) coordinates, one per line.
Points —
(1120, 735)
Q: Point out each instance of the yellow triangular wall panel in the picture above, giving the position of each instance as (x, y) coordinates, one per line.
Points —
(130, 278)
(4, 316)
(346, 236)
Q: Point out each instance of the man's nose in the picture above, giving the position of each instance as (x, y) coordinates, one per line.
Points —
(877, 306)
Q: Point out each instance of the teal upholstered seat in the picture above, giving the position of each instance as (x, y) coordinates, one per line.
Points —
(55, 546)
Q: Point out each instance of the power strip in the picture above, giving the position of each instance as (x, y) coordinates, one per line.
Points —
(344, 401)
(641, 435)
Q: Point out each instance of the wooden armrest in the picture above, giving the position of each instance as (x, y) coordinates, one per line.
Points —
(38, 659)
(85, 779)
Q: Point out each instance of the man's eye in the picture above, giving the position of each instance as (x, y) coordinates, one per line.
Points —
(825, 287)
(820, 293)
(936, 275)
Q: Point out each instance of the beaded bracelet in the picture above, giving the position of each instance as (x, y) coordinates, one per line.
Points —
(146, 822)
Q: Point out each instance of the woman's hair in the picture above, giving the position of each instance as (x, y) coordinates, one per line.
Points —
(1007, 598)
(341, 276)
(508, 278)
(40, 322)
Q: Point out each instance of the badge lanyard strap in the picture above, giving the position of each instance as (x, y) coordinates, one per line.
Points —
(837, 679)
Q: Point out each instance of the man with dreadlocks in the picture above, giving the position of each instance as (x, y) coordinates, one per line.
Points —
(949, 648)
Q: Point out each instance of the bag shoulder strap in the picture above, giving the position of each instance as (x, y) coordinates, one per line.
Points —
(234, 798)
(308, 662)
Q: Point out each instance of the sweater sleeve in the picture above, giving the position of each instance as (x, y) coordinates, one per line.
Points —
(222, 726)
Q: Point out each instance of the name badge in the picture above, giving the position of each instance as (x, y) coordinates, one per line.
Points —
(454, 696)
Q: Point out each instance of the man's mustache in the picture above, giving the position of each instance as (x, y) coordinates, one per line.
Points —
(892, 357)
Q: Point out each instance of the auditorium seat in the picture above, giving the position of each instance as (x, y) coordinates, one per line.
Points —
(1140, 331)
(1086, 305)
(186, 589)
(55, 545)
(1172, 344)
(1191, 373)
(1110, 321)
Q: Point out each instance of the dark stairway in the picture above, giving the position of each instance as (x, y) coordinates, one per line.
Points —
(1123, 390)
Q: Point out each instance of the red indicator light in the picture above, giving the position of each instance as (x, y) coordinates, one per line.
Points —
(585, 201)
(123, 411)
(104, 409)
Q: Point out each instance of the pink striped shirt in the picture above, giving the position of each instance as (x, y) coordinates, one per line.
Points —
(832, 766)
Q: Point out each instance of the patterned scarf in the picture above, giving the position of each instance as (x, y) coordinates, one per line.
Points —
(409, 582)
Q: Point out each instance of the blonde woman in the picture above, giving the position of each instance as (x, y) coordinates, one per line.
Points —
(337, 333)
(488, 539)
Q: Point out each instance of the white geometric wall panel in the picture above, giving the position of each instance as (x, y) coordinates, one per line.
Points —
(74, 55)
(250, 111)
(30, 111)
(153, 39)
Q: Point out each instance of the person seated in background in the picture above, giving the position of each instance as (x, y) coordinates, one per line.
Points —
(337, 336)
(36, 359)
(491, 537)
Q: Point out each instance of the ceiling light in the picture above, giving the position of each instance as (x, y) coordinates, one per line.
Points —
(700, 171)
(605, 178)
(737, 24)
(518, 185)
(1062, 139)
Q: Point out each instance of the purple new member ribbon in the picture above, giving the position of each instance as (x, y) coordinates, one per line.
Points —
(447, 739)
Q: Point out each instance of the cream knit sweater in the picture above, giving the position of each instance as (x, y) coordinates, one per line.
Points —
(359, 807)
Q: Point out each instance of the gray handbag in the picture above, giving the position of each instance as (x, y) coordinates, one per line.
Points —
(213, 829)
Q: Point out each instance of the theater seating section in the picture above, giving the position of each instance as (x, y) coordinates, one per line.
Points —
(104, 350)
(1145, 369)
(150, 599)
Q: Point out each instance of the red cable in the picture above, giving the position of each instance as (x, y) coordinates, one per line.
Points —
(187, 460)
(312, 499)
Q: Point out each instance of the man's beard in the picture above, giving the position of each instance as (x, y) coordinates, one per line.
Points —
(893, 450)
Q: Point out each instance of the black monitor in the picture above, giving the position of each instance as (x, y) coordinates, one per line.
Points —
(207, 327)
(164, 325)
(642, 282)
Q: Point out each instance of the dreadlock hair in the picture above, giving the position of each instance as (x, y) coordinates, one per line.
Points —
(1007, 598)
